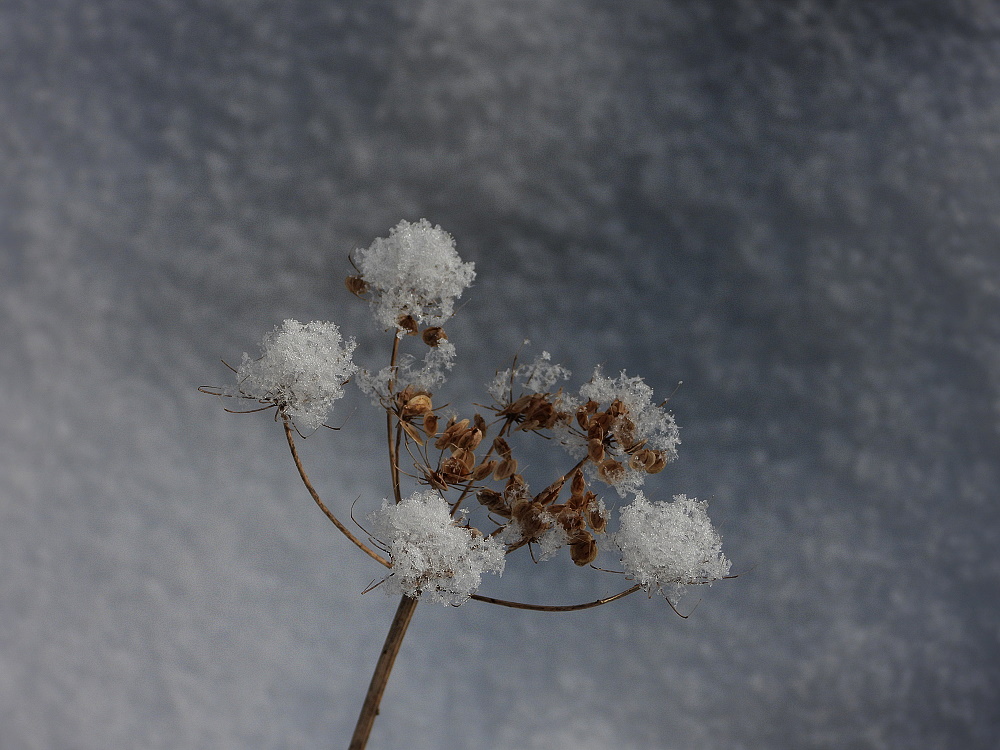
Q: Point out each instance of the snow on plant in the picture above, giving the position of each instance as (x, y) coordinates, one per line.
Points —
(414, 275)
(432, 556)
(469, 466)
(302, 370)
(667, 546)
(627, 439)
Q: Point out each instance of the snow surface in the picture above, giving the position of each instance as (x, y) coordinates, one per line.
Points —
(789, 206)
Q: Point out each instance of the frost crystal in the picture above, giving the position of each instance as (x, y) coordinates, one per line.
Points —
(665, 546)
(538, 377)
(427, 377)
(414, 271)
(431, 556)
(302, 369)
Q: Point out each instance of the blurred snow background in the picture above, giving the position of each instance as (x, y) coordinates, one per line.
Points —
(790, 206)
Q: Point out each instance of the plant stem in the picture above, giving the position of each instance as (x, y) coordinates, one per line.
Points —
(393, 640)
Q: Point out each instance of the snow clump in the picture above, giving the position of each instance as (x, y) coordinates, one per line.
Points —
(665, 546)
(431, 556)
(415, 271)
(302, 370)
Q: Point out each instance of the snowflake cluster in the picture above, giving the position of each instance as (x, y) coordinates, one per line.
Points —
(666, 546)
(302, 370)
(537, 377)
(414, 272)
(433, 557)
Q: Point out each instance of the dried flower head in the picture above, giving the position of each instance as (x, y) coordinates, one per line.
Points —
(624, 433)
(666, 546)
(302, 370)
(414, 276)
(433, 557)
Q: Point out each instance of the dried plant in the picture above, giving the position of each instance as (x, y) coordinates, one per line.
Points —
(611, 430)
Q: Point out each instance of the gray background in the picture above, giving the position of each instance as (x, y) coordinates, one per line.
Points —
(790, 206)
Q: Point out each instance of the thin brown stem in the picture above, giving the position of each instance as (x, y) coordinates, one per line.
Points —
(393, 452)
(393, 640)
(555, 607)
(322, 506)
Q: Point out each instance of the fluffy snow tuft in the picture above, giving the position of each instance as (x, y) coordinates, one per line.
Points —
(414, 271)
(431, 556)
(302, 369)
(666, 546)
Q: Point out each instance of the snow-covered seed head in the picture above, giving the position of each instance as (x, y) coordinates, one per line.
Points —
(302, 370)
(432, 557)
(665, 546)
(414, 276)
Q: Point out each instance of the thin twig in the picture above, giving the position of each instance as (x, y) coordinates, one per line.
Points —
(315, 496)
(555, 607)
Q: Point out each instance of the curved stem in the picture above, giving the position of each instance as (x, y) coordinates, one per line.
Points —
(393, 640)
(315, 496)
(555, 607)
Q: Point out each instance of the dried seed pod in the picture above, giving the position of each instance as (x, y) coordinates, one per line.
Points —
(596, 518)
(451, 433)
(356, 285)
(595, 450)
(466, 457)
(494, 502)
(470, 439)
(550, 493)
(433, 336)
(418, 404)
(412, 433)
(658, 463)
(506, 469)
(571, 520)
(583, 549)
(483, 470)
(501, 447)
(430, 424)
(610, 471)
(531, 517)
(577, 484)
(409, 324)
(453, 470)
(479, 423)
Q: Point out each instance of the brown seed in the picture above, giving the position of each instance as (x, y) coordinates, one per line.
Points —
(583, 549)
(578, 484)
(610, 471)
(411, 431)
(596, 519)
(494, 502)
(409, 324)
(470, 439)
(356, 285)
(484, 470)
(466, 457)
(430, 424)
(506, 469)
(658, 463)
(433, 336)
(501, 447)
(419, 404)
(595, 450)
